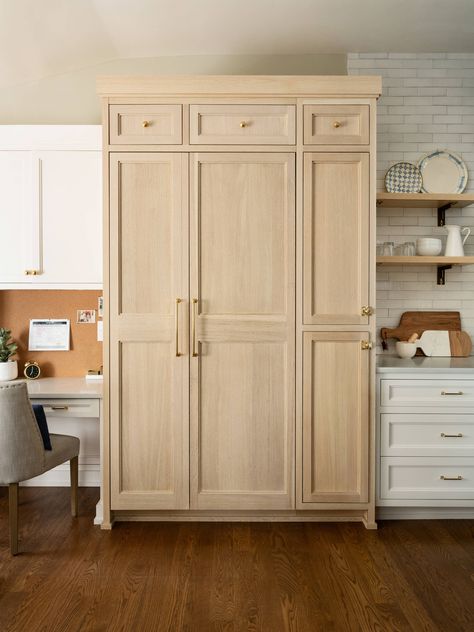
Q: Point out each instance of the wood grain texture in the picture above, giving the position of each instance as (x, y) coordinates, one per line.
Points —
(242, 382)
(336, 238)
(18, 306)
(408, 576)
(338, 124)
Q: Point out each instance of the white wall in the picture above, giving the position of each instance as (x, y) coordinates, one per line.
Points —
(427, 103)
(71, 98)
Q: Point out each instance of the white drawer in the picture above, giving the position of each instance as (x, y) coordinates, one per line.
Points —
(69, 407)
(441, 393)
(246, 124)
(427, 478)
(426, 435)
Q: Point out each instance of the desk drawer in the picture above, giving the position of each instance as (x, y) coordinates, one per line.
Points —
(69, 407)
(440, 393)
(336, 124)
(242, 124)
(145, 124)
(427, 435)
(426, 478)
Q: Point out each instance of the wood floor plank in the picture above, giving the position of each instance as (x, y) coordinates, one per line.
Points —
(230, 577)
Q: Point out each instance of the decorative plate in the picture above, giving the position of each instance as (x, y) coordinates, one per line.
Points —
(443, 172)
(403, 178)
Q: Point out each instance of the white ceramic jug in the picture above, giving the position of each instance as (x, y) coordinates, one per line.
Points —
(455, 243)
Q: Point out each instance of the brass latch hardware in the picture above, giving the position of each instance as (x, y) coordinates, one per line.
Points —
(365, 345)
(367, 310)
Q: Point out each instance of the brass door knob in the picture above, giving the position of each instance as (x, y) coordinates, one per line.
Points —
(145, 123)
(365, 345)
(367, 310)
(337, 124)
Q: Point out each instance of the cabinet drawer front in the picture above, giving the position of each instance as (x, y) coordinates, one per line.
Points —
(145, 124)
(242, 124)
(336, 124)
(426, 478)
(427, 435)
(69, 407)
(441, 393)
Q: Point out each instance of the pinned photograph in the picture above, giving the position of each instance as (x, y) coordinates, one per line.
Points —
(86, 316)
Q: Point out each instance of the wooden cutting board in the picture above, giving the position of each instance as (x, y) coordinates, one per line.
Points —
(445, 343)
(419, 322)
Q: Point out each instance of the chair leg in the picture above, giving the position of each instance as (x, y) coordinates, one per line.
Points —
(74, 470)
(13, 517)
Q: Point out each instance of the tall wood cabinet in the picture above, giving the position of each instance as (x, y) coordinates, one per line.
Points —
(239, 269)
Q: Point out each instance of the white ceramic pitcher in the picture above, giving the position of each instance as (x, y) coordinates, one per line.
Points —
(455, 242)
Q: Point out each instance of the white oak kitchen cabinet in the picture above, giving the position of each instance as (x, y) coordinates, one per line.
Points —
(50, 199)
(240, 259)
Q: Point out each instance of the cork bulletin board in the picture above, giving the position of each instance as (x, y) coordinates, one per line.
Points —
(17, 307)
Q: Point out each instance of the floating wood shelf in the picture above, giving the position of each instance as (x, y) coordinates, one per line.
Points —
(442, 263)
(440, 201)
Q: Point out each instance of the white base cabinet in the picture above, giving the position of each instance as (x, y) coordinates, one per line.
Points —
(425, 441)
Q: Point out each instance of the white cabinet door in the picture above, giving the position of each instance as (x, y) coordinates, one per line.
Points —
(18, 216)
(71, 218)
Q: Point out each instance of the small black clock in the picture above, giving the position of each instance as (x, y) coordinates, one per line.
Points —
(32, 370)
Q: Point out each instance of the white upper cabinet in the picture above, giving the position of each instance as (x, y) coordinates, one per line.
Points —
(51, 207)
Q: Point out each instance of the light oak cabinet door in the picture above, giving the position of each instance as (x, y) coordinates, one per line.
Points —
(149, 382)
(242, 330)
(335, 417)
(336, 238)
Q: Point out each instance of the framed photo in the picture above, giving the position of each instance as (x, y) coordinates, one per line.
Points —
(100, 307)
(85, 316)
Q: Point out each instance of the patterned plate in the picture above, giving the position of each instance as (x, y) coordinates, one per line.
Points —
(403, 178)
(443, 172)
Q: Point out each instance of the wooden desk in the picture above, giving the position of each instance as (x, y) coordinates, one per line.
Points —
(73, 406)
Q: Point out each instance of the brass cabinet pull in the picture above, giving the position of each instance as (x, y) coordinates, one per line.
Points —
(451, 478)
(365, 345)
(452, 393)
(32, 272)
(243, 123)
(176, 326)
(59, 407)
(195, 302)
(367, 310)
(454, 436)
(145, 123)
(337, 124)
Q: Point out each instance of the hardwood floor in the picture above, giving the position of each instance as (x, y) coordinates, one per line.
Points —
(206, 577)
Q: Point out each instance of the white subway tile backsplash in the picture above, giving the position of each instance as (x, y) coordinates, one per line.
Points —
(437, 110)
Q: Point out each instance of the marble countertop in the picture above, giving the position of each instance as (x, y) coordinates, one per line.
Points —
(394, 364)
(64, 387)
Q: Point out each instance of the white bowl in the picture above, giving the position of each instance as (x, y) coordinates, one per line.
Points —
(428, 246)
(405, 349)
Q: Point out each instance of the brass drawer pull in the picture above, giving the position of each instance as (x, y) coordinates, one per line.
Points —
(243, 124)
(452, 393)
(454, 436)
(176, 326)
(451, 478)
(337, 124)
(195, 302)
(32, 272)
(59, 407)
(145, 123)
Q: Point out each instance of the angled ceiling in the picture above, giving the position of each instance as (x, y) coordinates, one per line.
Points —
(40, 38)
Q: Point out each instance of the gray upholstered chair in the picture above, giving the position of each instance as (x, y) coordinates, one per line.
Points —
(22, 453)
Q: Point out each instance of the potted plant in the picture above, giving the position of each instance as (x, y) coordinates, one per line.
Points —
(8, 367)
